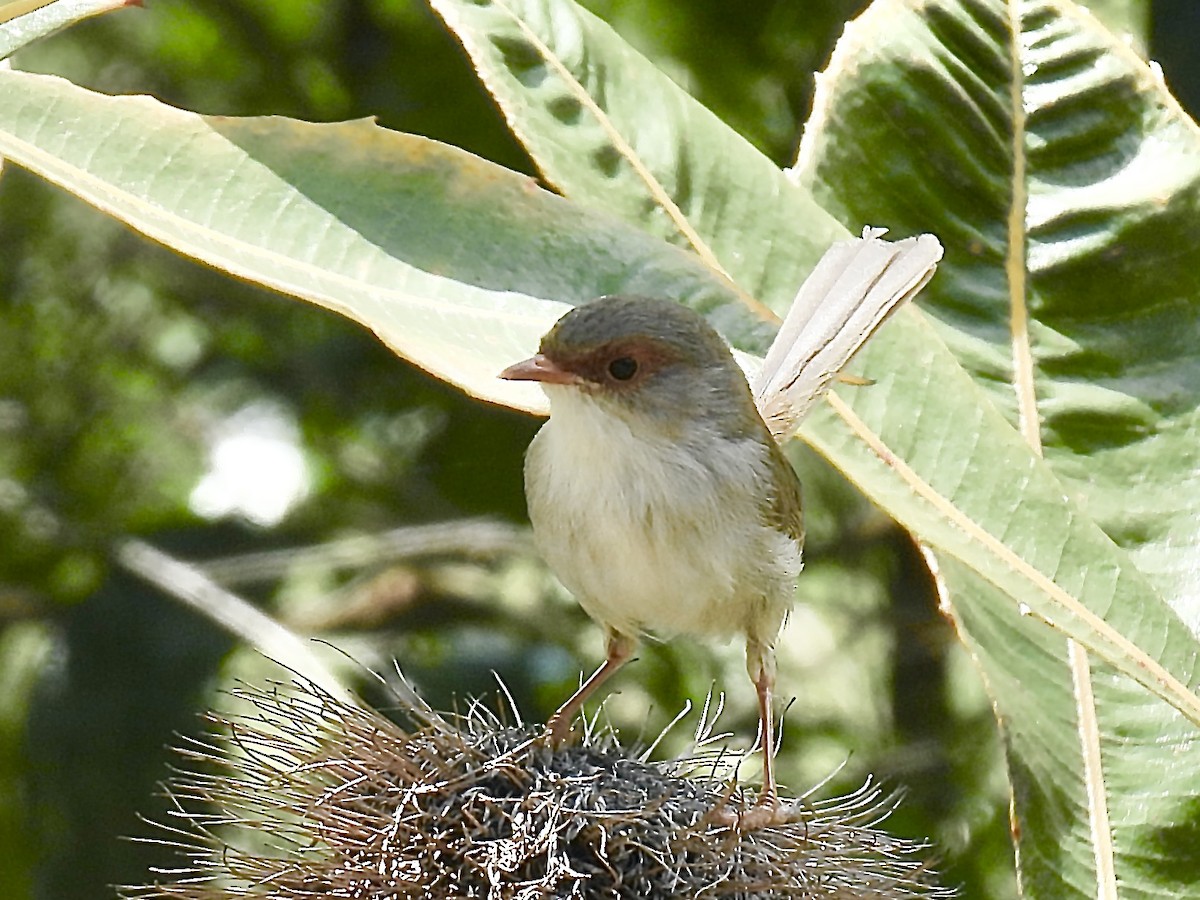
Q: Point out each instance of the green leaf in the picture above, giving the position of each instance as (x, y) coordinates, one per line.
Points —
(1065, 183)
(611, 131)
(24, 21)
(1129, 20)
(1016, 553)
(457, 264)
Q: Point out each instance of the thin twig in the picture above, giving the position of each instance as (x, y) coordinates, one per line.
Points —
(466, 537)
(245, 621)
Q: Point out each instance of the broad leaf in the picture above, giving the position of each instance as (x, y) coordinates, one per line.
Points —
(1065, 182)
(458, 264)
(610, 130)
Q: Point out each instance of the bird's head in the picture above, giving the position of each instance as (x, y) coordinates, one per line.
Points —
(654, 363)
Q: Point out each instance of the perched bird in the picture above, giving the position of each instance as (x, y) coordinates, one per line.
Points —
(657, 489)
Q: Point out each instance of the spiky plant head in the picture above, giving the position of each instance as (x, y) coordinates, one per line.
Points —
(306, 796)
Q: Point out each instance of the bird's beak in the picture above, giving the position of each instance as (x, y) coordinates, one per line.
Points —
(539, 368)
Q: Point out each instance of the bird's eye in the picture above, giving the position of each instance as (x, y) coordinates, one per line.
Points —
(623, 368)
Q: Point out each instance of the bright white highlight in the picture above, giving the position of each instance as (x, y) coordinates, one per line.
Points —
(256, 467)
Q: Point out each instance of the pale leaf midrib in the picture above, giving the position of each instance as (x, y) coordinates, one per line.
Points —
(1014, 264)
(1029, 423)
(1093, 766)
(1166, 685)
(657, 191)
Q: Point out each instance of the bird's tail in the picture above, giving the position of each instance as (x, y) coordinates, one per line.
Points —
(853, 288)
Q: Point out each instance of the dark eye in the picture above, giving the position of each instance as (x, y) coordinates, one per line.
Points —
(623, 368)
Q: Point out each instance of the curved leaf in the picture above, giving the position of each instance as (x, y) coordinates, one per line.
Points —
(1065, 183)
(610, 130)
(458, 264)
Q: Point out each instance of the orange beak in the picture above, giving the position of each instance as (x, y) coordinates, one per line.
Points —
(539, 368)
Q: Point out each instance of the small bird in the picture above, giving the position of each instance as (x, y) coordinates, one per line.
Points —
(657, 490)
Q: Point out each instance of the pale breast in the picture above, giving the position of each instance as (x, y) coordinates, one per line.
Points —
(666, 537)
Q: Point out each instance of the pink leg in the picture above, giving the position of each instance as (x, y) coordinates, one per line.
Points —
(620, 648)
(767, 811)
(765, 684)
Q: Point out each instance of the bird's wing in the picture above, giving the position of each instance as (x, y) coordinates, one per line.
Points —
(853, 288)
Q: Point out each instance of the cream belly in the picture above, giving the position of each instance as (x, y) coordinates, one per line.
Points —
(650, 539)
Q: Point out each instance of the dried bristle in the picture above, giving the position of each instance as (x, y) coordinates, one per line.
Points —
(309, 797)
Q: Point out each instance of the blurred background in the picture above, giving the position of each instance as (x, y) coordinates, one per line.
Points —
(295, 460)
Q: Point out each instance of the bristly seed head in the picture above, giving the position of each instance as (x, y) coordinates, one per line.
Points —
(309, 797)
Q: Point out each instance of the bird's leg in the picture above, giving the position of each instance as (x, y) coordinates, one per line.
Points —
(620, 648)
(764, 684)
(760, 660)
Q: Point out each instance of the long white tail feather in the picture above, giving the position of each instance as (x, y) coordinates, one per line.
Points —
(853, 288)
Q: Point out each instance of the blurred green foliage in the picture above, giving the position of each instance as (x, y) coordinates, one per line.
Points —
(119, 362)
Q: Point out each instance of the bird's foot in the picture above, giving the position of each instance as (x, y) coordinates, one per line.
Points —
(558, 732)
(766, 812)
